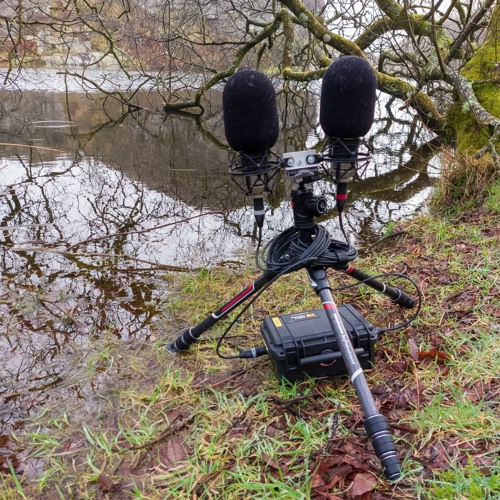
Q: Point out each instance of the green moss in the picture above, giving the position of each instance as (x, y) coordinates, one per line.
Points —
(482, 66)
(468, 134)
(485, 65)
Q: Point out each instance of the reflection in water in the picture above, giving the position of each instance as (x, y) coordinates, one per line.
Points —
(90, 204)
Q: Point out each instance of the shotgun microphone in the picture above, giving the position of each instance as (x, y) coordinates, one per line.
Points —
(251, 126)
(347, 109)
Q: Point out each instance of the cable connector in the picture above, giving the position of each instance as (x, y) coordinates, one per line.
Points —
(254, 352)
(258, 210)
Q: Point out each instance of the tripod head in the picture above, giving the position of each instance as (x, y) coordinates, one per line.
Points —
(305, 204)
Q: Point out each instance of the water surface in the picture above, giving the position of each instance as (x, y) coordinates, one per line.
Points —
(98, 203)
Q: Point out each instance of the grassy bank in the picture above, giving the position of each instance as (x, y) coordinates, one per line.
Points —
(153, 425)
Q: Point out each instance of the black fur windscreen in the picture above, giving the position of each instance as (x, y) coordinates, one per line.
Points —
(251, 121)
(348, 95)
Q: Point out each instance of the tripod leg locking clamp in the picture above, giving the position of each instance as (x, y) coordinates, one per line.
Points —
(379, 432)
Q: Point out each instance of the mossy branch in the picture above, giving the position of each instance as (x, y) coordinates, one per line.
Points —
(221, 75)
(484, 118)
(415, 98)
(376, 29)
(470, 27)
(416, 25)
(315, 26)
(420, 101)
(481, 103)
(491, 146)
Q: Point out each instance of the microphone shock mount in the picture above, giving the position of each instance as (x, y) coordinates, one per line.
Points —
(346, 157)
(254, 173)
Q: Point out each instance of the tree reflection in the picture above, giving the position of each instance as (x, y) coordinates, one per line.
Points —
(86, 235)
(50, 299)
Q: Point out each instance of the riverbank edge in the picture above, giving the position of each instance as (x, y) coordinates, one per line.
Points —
(197, 426)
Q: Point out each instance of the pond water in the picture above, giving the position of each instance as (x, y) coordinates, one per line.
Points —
(98, 203)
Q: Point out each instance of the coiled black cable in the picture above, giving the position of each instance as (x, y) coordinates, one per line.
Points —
(289, 249)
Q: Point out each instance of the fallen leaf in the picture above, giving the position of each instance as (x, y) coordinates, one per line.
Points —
(489, 232)
(326, 496)
(433, 353)
(413, 348)
(173, 451)
(271, 462)
(363, 483)
(105, 482)
(336, 475)
(317, 481)
(271, 430)
(444, 280)
(399, 367)
(466, 297)
(360, 462)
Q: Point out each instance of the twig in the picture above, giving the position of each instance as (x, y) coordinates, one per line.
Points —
(201, 386)
(404, 428)
(32, 147)
(10, 395)
(287, 402)
(491, 145)
(23, 226)
(168, 432)
(165, 434)
(141, 231)
(220, 382)
(388, 237)
(96, 254)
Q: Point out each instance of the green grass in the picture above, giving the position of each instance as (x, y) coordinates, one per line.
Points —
(156, 425)
(466, 482)
(493, 200)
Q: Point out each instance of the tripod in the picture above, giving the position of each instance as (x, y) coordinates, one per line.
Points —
(308, 245)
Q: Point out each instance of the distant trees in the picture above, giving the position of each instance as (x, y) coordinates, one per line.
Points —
(439, 57)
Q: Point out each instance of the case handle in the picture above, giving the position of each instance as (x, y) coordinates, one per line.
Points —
(326, 357)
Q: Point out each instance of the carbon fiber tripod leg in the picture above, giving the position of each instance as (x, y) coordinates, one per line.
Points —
(376, 424)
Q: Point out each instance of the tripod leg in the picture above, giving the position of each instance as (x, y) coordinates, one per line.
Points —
(191, 335)
(376, 424)
(397, 295)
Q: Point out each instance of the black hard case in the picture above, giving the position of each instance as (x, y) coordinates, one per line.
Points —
(303, 343)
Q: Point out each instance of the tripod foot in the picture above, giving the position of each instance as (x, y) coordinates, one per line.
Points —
(379, 431)
(170, 348)
(397, 295)
(182, 342)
